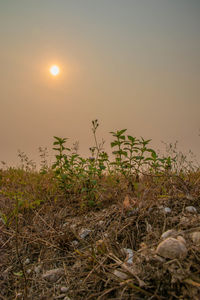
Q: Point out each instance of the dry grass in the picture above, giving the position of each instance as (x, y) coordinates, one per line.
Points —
(49, 222)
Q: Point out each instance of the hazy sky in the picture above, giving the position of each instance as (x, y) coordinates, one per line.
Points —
(131, 64)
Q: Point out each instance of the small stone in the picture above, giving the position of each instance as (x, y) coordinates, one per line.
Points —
(189, 197)
(167, 210)
(191, 209)
(129, 253)
(37, 269)
(67, 298)
(27, 261)
(120, 274)
(172, 248)
(168, 233)
(195, 236)
(75, 243)
(53, 275)
(84, 232)
(29, 271)
(181, 239)
(64, 289)
(101, 223)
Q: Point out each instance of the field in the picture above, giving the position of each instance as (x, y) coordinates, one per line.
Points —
(97, 228)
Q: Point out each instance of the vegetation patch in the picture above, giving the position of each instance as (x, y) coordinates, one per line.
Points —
(99, 227)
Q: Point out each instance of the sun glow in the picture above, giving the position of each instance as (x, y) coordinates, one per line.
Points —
(54, 70)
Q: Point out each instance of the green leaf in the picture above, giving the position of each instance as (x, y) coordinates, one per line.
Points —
(121, 132)
(20, 273)
(132, 139)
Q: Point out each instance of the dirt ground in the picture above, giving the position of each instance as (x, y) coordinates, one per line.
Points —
(61, 252)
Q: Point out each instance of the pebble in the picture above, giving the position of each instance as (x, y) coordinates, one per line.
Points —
(67, 298)
(167, 210)
(37, 269)
(120, 274)
(189, 197)
(84, 232)
(27, 261)
(75, 243)
(64, 289)
(53, 275)
(191, 209)
(181, 239)
(168, 233)
(129, 253)
(195, 236)
(172, 248)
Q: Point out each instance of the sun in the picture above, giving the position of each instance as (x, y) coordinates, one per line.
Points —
(54, 70)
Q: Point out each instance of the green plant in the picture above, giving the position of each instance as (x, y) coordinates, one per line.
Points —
(132, 157)
(80, 175)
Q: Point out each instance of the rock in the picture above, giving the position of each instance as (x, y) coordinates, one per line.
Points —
(84, 232)
(120, 274)
(181, 239)
(168, 233)
(195, 236)
(67, 298)
(37, 269)
(129, 257)
(167, 210)
(53, 275)
(101, 223)
(27, 261)
(75, 243)
(64, 289)
(189, 197)
(172, 248)
(191, 209)
(28, 271)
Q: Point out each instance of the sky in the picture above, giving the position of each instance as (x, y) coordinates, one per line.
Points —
(131, 64)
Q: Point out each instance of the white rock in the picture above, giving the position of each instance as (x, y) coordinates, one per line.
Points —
(120, 274)
(172, 248)
(74, 243)
(167, 210)
(28, 271)
(195, 236)
(129, 253)
(37, 269)
(181, 239)
(27, 261)
(191, 209)
(64, 289)
(53, 275)
(168, 233)
(84, 232)
(101, 223)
